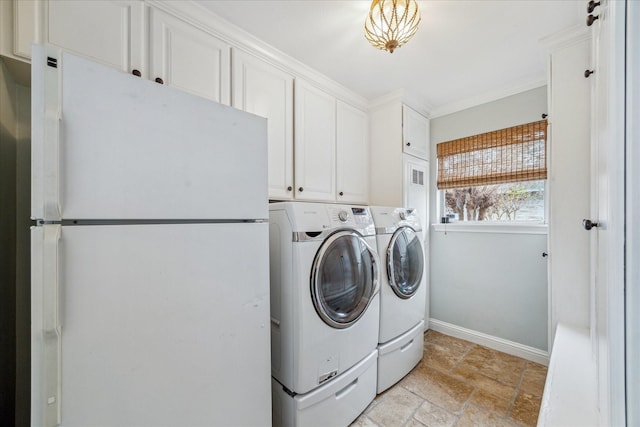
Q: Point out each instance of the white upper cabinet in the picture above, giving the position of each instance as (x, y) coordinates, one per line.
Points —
(18, 28)
(118, 34)
(352, 154)
(187, 58)
(111, 32)
(265, 90)
(415, 133)
(315, 143)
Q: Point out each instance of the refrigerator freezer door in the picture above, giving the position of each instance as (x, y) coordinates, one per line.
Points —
(109, 145)
(161, 325)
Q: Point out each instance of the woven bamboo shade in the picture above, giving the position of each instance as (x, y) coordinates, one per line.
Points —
(513, 154)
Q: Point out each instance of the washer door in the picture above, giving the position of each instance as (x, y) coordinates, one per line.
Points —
(405, 262)
(344, 278)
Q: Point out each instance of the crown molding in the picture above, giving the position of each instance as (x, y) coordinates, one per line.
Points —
(565, 38)
(403, 97)
(486, 97)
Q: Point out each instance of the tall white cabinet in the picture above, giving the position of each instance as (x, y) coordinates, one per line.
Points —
(265, 90)
(569, 180)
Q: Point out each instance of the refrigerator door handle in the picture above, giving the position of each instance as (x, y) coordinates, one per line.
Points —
(51, 166)
(51, 341)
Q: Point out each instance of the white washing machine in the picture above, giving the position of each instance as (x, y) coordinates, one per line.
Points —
(324, 312)
(402, 292)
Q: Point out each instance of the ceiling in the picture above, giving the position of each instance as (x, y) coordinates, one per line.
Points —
(466, 52)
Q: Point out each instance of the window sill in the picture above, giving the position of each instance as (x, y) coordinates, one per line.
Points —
(491, 227)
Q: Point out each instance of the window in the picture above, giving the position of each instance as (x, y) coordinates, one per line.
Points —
(495, 176)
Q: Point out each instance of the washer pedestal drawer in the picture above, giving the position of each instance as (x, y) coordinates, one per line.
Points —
(335, 403)
(397, 357)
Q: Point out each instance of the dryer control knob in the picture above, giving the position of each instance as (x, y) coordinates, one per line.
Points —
(403, 215)
(343, 216)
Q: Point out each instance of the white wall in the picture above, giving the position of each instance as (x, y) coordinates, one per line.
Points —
(490, 282)
(494, 283)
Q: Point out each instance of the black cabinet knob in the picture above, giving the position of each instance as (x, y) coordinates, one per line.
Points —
(408, 144)
(341, 193)
(136, 73)
(300, 189)
(289, 188)
(588, 224)
(159, 80)
(591, 6)
(587, 73)
(591, 19)
(545, 115)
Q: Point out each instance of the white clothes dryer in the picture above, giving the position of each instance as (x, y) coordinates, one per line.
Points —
(402, 292)
(324, 310)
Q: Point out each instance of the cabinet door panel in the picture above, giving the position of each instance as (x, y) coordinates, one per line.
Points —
(352, 154)
(24, 30)
(264, 90)
(315, 143)
(188, 58)
(415, 133)
(110, 32)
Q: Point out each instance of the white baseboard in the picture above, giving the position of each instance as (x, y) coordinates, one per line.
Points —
(500, 344)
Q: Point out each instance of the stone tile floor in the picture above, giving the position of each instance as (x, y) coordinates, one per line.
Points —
(459, 383)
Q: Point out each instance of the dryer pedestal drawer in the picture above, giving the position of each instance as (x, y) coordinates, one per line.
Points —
(398, 357)
(336, 403)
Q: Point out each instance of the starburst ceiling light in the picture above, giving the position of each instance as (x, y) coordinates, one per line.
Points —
(391, 23)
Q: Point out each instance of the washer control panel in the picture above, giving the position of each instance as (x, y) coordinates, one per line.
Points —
(351, 216)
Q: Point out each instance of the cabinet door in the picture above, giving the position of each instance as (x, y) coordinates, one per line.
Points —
(111, 32)
(18, 27)
(315, 143)
(352, 154)
(264, 90)
(188, 58)
(415, 133)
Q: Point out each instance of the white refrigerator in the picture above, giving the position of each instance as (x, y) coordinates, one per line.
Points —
(150, 293)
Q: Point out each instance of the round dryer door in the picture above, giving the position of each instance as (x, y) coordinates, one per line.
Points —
(405, 262)
(344, 279)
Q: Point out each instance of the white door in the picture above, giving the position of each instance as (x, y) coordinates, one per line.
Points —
(111, 32)
(315, 143)
(607, 239)
(145, 151)
(188, 58)
(352, 154)
(261, 88)
(151, 325)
